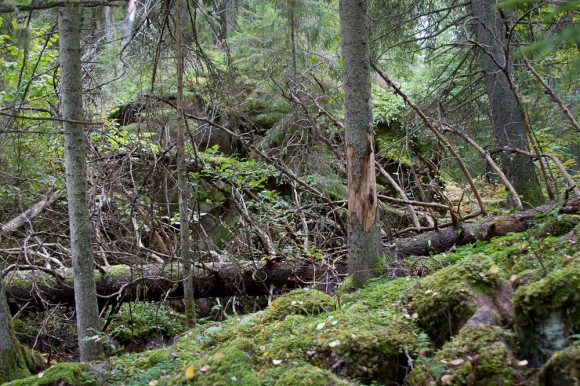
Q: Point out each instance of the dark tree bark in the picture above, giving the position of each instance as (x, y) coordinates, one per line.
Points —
(183, 185)
(292, 25)
(363, 233)
(509, 124)
(12, 354)
(75, 164)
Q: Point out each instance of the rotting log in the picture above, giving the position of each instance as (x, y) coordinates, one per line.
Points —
(438, 241)
(43, 288)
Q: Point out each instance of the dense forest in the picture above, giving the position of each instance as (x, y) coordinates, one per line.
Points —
(294, 192)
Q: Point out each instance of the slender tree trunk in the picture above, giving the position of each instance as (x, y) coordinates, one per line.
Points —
(108, 29)
(75, 165)
(12, 354)
(129, 20)
(188, 295)
(509, 124)
(292, 23)
(364, 242)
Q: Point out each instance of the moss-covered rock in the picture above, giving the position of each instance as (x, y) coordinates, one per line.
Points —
(546, 313)
(562, 369)
(65, 373)
(363, 343)
(309, 375)
(139, 322)
(154, 357)
(375, 346)
(300, 302)
(445, 300)
(476, 356)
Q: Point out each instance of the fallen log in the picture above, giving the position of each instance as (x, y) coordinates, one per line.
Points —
(443, 240)
(25, 217)
(42, 288)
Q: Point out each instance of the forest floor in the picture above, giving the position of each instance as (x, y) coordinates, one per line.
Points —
(497, 312)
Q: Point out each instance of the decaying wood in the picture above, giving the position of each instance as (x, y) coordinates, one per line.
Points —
(23, 218)
(154, 282)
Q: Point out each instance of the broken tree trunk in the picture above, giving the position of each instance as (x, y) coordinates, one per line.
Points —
(154, 282)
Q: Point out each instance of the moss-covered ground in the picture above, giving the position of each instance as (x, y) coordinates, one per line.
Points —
(395, 330)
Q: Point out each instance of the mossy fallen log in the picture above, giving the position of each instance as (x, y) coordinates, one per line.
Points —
(43, 288)
(40, 289)
(442, 240)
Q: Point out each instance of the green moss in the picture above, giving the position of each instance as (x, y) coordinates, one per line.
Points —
(156, 356)
(301, 301)
(117, 271)
(25, 279)
(215, 334)
(379, 264)
(14, 365)
(222, 368)
(546, 310)
(445, 300)
(65, 373)
(139, 322)
(137, 369)
(370, 345)
(476, 356)
(375, 346)
(309, 375)
(242, 344)
(390, 143)
(562, 368)
(557, 225)
(380, 292)
(558, 291)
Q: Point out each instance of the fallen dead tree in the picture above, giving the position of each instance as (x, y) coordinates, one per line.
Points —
(25, 217)
(42, 288)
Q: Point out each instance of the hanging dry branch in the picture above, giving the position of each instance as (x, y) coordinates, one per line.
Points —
(437, 134)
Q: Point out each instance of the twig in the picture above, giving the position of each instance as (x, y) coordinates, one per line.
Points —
(437, 134)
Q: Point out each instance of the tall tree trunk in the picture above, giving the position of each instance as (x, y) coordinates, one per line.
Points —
(292, 25)
(12, 354)
(364, 243)
(129, 20)
(108, 32)
(75, 165)
(188, 295)
(509, 124)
